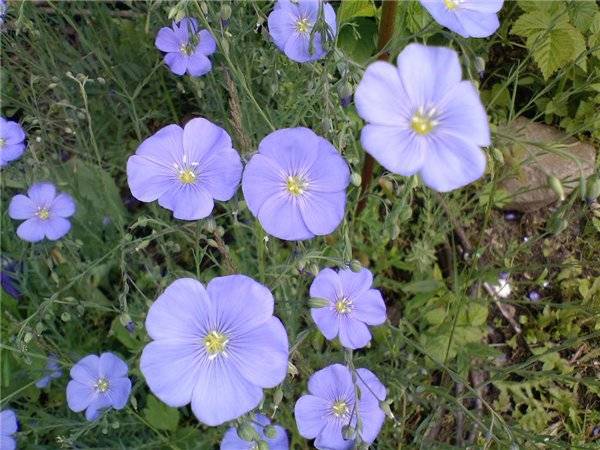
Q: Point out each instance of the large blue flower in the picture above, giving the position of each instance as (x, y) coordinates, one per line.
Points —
(469, 18)
(216, 347)
(422, 118)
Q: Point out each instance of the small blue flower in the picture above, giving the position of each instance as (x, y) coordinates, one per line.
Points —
(8, 427)
(469, 18)
(52, 372)
(12, 136)
(9, 277)
(99, 382)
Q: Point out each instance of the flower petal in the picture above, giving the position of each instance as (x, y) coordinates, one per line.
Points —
(397, 149)
(478, 24)
(10, 153)
(380, 97)
(21, 207)
(322, 212)
(444, 17)
(355, 283)
(262, 179)
(8, 422)
(231, 441)
(261, 355)
(98, 404)
(180, 312)
(191, 202)
(222, 394)
(86, 370)
(170, 367)
(369, 307)
(42, 194)
(166, 40)
(327, 284)
(148, 179)
(198, 64)
(119, 391)
(111, 366)
(452, 163)
(353, 333)
(62, 206)
(11, 132)
(293, 149)
(176, 62)
(331, 437)
(281, 24)
(207, 44)
(56, 227)
(280, 216)
(310, 413)
(32, 230)
(299, 48)
(79, 395)
(327, 321)
(330, 172)
(221, 172)
(332, 383)
(420, 67)
(239, 304)
(202, 138)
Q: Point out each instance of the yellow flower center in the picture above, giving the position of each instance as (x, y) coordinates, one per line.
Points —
(451, 4)
(340, 408)
(186, 49)
(43, 213)
(187, 176)
(303, 26)
(343, 306)
(2, 143)
(295, 185)
(215, 343)
(102, 385)
(422, 123)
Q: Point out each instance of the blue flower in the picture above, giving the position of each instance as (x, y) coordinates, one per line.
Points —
(12, 136)
(469, 18)
(8, 427)
(51, 372)
(99, 382)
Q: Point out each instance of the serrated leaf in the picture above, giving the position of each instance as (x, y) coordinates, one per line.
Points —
(356, 8)
(552, 41)
(159, 415)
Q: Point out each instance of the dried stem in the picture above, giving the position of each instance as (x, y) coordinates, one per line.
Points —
(386, 29)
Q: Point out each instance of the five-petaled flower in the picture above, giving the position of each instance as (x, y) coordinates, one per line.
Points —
(216, 347)
(331, 406)
(8, 427)
(291, 26)
(296, 184)
(98, 383)
(423, 119)
(51, 372)
(185, 169)
(187, 47)
(45, 213)
(12, 141)
(278, 441)
(469, 18)
(352, 306)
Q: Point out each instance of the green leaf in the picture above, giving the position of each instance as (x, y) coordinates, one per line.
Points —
(161, 416)
(356, 8)
(552, 40)
(582, 14)
(357, 40)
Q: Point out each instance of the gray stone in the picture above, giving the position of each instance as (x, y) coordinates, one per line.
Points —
(530, 164)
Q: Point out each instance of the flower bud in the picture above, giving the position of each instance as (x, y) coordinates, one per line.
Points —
(593, 189)
(247, 432)
(225, 12)
(278, 396)
(263, 445)
(270, 431)
(556, 186)
(348, 432)
(316, 302)
(355, 178)
(355, 265)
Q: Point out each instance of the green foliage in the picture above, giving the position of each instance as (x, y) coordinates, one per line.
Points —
(88, 84)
